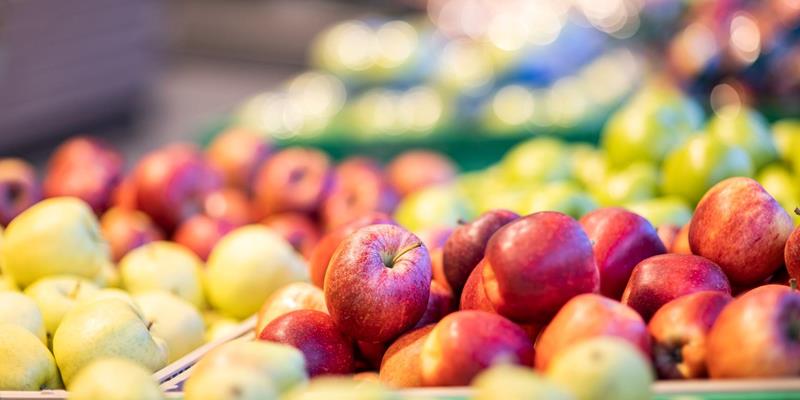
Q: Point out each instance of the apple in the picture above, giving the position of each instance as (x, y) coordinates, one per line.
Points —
(620, 240)
(327, 245)
(369, 355)
(747, 129)
(437, 268)
(238, 153)
(660, 279)
(27, 363)
(292, 297)
(201, 233)
(401, 364)
(56, 295)
(516, 382)
(432, 207)
(587, 316)
(298, 229)
(86, 168)
(663, 210)
(779, 182)
(378, 283)
(126, 229)
(360, 187)
(367, 376)
(734, 350)
(314, 333)
(435, 238)
(465, 343)
(21, 310)
(228, 383)
(739, 226)
(698, 164)
(251, 260)
(124, 194)
(172, 183)
(465, 247)
(105, 328)
(603, 368)
(229, 204)
(417, 169)
(56, 236)
(294, 179)
(565, 197)
(791, 254)
(535, 264)
(114, 379)
(589, 165)
(334, 387)
(164, 266)
(536, 160)
(473, 296)
(667, 234)
(681, 243)
(636, 182)
(114, 294)
(786, 135)
(19, 188)
(679, 329)
(440, 303)
(174, 320)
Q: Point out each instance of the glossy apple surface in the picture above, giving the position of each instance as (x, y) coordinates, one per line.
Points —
(474, 297)
(401, 366)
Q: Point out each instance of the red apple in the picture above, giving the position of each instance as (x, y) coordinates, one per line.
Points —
(620, 239)
(791, 253)
(588, 316)
(201, 233)
(19, 188)
(757, 335)
(416, 169)
(535, 264)
(124, 194)
(473, 296)
(437, 268)
(172, 183)
(660, 279)
(378, 283)
(86, 168)
(298, 229)
(401, 364)
(238, 154)
(229, 204)
(681, 243)
(326, 350)
(371, 354)
(435, 238)
(667, 234)
(294, 179)
(465, 247)
(465, 343)
(360, 187)
(292, 297)
(127, 229)
(739, 226)
(323, 251)
(679, 331)
(440, 303)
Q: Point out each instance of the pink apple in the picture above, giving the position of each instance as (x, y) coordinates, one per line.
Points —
(292, 297)
(440, 303)
(416, 169)
(294, 179)
(19, 188)
(238, 154)
(667, 234)
(201, 233)
(228, 204)
(473, 296)
(127, 229)
(298, 229)
(401, 365)
(360, 187)
(681, 243)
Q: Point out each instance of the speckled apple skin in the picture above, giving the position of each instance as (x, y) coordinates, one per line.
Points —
(473, 297)
(791, 254)
(368, 300)
(739, 226)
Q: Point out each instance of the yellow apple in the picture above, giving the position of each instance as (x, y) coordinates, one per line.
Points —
(26, 362)
(164, 266)
(114, 379)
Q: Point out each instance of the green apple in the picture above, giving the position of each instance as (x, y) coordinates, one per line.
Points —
(432, 207)
(246, 266)
(636, 182)
(513, 382)
(329, 387)
(509, 198)
(603, 368)
(282, 365)
(650, 126)
(781, 184)
(21, 310)
(537, 160)
(218, 326)
(698, 164)
(167, 266)
(26, 362)
(786, 135)
(173, 319)
(565, 197)
(118, 294)
(589, 165)
(233, 383)
(746, 129)
(668, 210)
(56, 295)
(96, 329)
(114, 379)
(56, 236)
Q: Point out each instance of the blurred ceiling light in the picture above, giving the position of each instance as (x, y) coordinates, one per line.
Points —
(745, 38)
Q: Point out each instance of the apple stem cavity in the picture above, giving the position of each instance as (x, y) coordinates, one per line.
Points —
(394, 260)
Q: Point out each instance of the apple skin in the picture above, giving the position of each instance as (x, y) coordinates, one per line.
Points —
(292, 297)
(755, 336)
(465, 343)
(378, 283)
(326, 350)
(437, 268)
(678, 330)
(416, 169)
(172, 182)
(791, 254)
(465, 247)
(401, 364)
(124, 194)
(297, 228)
(323, 251)
(238, 153)
(440, 303)
(360, 187)
(86, 168)
(127, 229)
(229, 204)
(473, 297)
(588, 316)
(681, 243)
(294, 179)
(667, 234)
(19, 188)
(536, 264)
(660, 279)
(201, 233)
(739, 226)
(621, 239)
(369, 355)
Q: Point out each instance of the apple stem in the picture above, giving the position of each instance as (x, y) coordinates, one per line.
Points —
(404, 251)
(793, 284)
(74, 293)
(149, 324)
(461, 221)
(797, 210)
